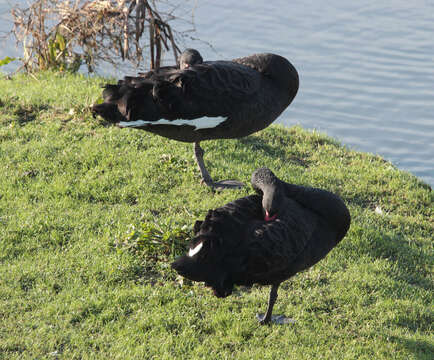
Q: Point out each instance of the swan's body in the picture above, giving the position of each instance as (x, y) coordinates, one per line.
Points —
(205, 101)
(234, 245)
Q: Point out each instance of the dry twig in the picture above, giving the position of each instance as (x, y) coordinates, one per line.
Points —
(64, 34)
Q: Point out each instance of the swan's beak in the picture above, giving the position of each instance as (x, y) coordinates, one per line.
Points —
(268, 217)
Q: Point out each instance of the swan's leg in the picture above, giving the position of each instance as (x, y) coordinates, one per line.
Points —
(271, 300)
(206, 177)
(198, 153)
(276, 319)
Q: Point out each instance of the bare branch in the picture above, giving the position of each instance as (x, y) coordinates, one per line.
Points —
(63, 34)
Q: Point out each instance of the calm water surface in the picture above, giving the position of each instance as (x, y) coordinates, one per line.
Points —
(366, 67)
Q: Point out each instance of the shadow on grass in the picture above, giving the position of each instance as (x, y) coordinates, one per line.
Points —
(23, 113)
(410, 260)
(28, 113)
(421, 349)
(256, 144)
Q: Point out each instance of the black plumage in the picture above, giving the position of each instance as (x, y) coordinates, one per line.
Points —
(235, 245)
(241, 96)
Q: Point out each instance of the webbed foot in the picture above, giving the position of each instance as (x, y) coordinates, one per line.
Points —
(275, 319)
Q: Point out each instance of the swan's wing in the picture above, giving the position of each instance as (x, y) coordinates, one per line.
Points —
(223, 78)
(327, 205)
(162, 71)
(276, 245)
(203, 96)
(209, 89)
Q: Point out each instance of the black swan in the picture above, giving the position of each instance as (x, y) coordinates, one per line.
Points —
(203, 101)
(237, 244)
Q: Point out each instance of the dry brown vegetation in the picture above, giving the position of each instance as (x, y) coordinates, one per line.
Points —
(63, 34)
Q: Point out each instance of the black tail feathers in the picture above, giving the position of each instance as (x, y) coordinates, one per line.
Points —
(108, 112)
(129, 100)
(111, 93)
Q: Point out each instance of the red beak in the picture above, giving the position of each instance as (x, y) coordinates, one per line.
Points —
(268, 217)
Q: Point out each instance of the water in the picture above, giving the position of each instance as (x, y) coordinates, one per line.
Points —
(366, 67)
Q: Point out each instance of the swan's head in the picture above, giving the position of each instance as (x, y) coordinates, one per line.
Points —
(269, 186)
(189, 58)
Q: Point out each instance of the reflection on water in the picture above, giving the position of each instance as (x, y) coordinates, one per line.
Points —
(366, 67)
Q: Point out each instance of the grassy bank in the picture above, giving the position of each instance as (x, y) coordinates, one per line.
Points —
(90, 217)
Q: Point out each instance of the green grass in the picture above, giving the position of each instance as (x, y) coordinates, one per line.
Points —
(90, 217)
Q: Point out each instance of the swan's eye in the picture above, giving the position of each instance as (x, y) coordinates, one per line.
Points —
(195, 250)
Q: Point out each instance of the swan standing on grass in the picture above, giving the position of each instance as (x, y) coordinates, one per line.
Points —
(264, 239)
(203, 100)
